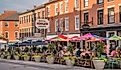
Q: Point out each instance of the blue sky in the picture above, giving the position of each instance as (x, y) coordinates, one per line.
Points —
(19, 5)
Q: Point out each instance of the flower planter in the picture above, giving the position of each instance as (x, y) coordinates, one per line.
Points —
(37, 58)
(120, 63)
(26, 58)
(50, 59)
(16, 57)
(70, 62)
(8, 57)
(2, 56)
(99, 64)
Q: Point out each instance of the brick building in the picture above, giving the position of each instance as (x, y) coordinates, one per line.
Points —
(69, 17)
(9, 25)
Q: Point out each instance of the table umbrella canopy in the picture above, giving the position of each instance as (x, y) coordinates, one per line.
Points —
(95, 39)
(75, 38)
(59, 38)
(86, 36)
(115, 38)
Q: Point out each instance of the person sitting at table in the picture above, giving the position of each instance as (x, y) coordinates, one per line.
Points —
(114, 53)
(64, 52)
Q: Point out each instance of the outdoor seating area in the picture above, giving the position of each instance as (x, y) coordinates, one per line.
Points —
(61, 50)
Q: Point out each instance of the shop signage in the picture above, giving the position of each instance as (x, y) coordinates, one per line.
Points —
(42, 23)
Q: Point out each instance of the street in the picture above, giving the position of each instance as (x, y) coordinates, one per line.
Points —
(11, 66)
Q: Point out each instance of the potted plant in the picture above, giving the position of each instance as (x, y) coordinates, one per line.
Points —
(70, 59)
(50, 55)
(17, 53)
(26, 57)
(37, 58)
(98, 61)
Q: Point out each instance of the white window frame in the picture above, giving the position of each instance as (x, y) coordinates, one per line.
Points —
(66, 6)
(76, 4)
(8, 34)
(77, 16)
(86, 3)
(56, 25)
(48, 11)
(61, 7)
(67, 23)
(61, 24)
(17, 34)
(48, 30)
(56, 9)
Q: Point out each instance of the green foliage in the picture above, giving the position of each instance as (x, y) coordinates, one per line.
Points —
(26, 49)
(9, 50)
(44, 48)
(38, 50)
(71, 48)
(51, 47)
(17, 49)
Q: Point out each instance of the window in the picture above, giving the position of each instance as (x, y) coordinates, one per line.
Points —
(66, 24)
(16, 24)
(6, 34)
(86, 17)
(48, 28)
(56, 25)
(61, 24)
(48, 11)
(111, 15)
(77, 22)
(6, 24)
(120, 13)
(56, 9)
(76, 4)
(110, 0)
(27, 18)
(43, 14)
(86, 3)
(100, 17)
(66, 5)
(100, 1)
(61, 7)
(16, 34)
(38, 15)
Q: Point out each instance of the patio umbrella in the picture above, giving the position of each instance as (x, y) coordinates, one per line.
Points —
(94, 39)
(115, 38)
(74, 38)
(86, 36)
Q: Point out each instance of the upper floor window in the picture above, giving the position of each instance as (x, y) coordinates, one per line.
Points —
(120, 13)
(61, 7)
(100, 17)
(86, 17)
(6, 24)
(110, 0)
(56, 9)
(16, 24)
(76, 4)
(29, 18)
(48, 30)
(43, 14)
(66, 5)
(61, 24)
(66, 24)
(38, 15)
(16, 34)
(111, 15)
(86, 2)
(56, 25)
(77, 22)
(48, 11)
(100, 1)
(6, 34)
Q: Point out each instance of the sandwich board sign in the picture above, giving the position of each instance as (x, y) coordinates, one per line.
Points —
(42, 24)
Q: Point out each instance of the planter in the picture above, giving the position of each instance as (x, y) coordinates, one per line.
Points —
(2, 56)
(120, 63)
(70, 62)
(8, 57)
(50, 59)
(99, 64)
(37, 58)
(16, 57)
(26, 58)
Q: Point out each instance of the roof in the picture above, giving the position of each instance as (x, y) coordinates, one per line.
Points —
(9, 15)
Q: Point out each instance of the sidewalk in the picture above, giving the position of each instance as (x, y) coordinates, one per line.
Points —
(44, 65)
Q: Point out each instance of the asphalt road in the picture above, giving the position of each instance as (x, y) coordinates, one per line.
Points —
(8, 66)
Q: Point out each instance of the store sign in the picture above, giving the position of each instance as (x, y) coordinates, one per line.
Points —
(42, 23)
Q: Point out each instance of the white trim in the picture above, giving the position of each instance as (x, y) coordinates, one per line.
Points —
(66, 22)
(111, 6)
(25, 27)
(77, 16)
(48, 11)
(75, 4)
(100, 8)
(66, 9)
(56, 7)
(48, 30)
(61, 7)
(56, 21)
(85, 11)
(119, 4)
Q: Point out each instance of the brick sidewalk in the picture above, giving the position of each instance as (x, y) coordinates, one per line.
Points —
(44, 65)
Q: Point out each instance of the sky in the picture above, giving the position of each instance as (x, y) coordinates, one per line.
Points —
(19, 5)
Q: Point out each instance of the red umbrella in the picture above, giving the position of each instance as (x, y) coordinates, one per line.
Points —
(74, 38)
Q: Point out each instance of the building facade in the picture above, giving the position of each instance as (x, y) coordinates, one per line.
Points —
(68, 17)
(9, 26)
